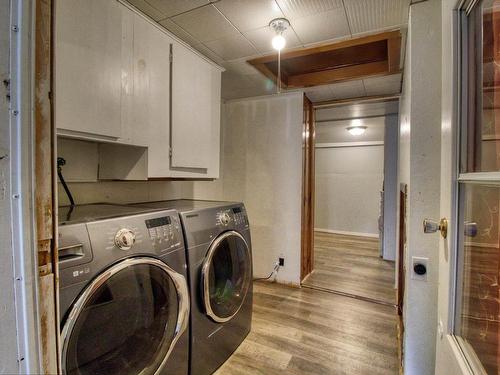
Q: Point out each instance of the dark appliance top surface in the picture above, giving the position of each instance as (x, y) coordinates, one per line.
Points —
(184, 205)
(92, 212)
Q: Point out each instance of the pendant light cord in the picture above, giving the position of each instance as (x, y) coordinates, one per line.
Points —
(279, 71)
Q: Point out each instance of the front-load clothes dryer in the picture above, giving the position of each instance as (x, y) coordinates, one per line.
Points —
(219, 255)
(124, 297)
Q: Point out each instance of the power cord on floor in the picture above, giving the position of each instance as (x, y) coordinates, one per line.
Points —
(275, 271)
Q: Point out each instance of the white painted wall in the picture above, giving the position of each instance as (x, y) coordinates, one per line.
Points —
(348, 184)
(391, 187)
(420, 115)
(263, 168)
(261, 165)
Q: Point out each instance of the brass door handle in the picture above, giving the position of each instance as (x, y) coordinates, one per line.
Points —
(431, 226)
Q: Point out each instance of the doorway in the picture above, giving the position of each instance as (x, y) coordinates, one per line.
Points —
(355, 200)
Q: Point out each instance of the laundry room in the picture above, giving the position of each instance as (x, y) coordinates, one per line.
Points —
(220, 187)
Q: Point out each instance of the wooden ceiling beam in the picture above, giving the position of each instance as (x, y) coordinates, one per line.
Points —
(372, 55)
(326, 48)
(339, 74)
(394, 53)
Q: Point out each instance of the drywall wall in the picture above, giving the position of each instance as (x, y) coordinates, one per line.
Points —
(348, 184)
(391, 187)
(420, 117)
(261, 165)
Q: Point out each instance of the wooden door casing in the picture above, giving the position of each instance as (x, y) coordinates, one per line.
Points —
(307, 235)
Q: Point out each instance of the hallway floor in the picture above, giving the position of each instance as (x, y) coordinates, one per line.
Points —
(305, 331)
(352, 265)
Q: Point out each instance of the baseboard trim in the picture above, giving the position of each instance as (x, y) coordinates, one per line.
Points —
(359, 234)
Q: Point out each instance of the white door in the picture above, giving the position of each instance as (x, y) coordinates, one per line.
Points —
(468, 339)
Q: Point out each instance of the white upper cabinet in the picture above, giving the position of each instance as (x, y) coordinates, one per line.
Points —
(146, 96)
(122, 79)
(88, 67)
(195, 107)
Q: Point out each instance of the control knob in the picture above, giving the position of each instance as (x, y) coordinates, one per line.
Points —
(224, 218)
(124, 239)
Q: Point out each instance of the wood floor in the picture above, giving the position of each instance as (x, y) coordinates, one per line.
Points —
(305, 331)
(352, 265)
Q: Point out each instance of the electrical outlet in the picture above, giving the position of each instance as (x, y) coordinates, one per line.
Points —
(419, 269)
(281, 261)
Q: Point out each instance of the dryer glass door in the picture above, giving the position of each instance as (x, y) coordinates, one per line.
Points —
(127, 321)
(226, 275)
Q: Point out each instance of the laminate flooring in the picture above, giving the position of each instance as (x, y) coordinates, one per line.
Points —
(352, 265)
(306, 331)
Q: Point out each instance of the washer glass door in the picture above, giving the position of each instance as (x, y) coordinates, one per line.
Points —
(226, 275)
(127, 320)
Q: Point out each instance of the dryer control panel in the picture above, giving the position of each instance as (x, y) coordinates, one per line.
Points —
(164, 232)
(234, 217)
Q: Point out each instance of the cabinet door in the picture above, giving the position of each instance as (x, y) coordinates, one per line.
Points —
(149, 115)
(192, 110)
(88, 66)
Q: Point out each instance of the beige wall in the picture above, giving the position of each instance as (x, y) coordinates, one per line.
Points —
(261, 165)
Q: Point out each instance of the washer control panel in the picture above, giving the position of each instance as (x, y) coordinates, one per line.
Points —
(235, 216)
(164, 232)
(125, 239)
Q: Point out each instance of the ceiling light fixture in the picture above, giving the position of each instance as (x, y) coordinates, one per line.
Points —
(356, 130)
(279, 26)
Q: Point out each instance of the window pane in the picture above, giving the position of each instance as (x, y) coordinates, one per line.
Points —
(481, 143)
(478, 308)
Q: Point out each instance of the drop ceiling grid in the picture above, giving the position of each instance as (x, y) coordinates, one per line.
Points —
(368, 16)
(233, 31)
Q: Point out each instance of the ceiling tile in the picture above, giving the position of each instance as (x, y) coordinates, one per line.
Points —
(384, 85)
(349, 89)
(205, 24)
(321, 27)
(172, 7)
(249, 14)
(146, 8)
(208, 53)
(319, 93)
(261, 39)
(303, 8)
(232, 47)
(369, 16)
(179, 32)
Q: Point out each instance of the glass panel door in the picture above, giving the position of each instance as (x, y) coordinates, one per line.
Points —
(227, 275)
(477, 300)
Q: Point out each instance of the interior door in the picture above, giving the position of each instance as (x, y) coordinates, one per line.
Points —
(469, 295)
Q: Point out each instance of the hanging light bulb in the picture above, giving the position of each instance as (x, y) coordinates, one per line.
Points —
(279, 42)
(279, 25)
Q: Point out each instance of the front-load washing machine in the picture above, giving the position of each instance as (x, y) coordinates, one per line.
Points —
(124, 297)
(219, 255)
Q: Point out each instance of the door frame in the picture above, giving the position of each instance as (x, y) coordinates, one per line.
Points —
(450, 354)
(308, 179)
(308, 174)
